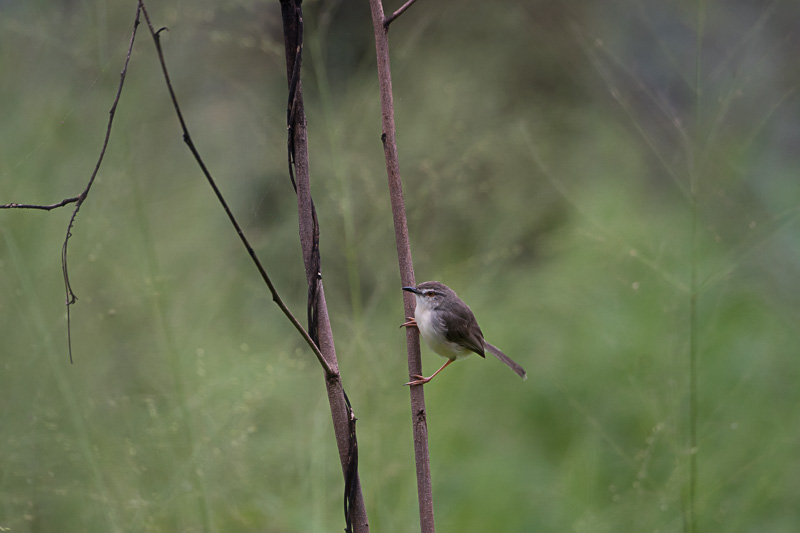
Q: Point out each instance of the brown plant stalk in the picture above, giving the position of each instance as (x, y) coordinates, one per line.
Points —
(380, 24)
(319, 322)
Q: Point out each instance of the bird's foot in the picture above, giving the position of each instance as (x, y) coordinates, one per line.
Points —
(411, 322)
(419, 381)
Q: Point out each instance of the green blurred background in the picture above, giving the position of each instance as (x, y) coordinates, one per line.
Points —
(548, 151)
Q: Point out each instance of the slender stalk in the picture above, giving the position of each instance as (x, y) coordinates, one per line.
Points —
(690, 524)
(418, 413)
(692, 482)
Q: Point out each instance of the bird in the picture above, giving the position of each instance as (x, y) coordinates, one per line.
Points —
(449, 328)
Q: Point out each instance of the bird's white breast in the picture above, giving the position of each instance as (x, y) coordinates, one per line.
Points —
(432, 331)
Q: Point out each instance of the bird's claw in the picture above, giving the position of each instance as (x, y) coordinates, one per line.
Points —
(411, 322)
(420, 380)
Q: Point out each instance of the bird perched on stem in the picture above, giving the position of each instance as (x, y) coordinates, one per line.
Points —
(449, 328)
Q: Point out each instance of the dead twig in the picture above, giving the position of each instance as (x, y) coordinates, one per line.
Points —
(388, 20)
(156, 34)
(78, 200)
(62, 203)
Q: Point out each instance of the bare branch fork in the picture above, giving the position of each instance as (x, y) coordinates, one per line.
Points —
(187, 138)
(380, 25)
(388, 20)
(78, 200)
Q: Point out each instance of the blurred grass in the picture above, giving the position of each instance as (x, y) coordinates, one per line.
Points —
(541, 147)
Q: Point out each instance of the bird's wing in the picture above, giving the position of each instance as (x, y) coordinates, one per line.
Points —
(461, 328)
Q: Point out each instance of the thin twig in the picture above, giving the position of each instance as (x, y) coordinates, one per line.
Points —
(329, 372)
(62, 203)
(71, 298)
(78, 200)
(390, 19)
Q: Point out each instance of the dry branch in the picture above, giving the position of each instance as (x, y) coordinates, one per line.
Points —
(187, 138)
(78, 200)
(388, 20)
(50, 207)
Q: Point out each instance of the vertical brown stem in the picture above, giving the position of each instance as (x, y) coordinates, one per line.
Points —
(418, 414)
(309, 235)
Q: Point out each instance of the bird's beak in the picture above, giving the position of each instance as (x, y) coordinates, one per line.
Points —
(411, 289)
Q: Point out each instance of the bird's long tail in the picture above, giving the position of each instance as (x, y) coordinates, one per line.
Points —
(506, 359)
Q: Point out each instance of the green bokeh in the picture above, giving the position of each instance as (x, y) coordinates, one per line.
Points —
(548, 151)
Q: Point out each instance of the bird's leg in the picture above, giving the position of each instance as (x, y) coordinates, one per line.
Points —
(422, 380)
(412, 322)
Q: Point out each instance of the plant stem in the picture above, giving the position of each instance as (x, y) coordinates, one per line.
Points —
(320, 326)
(418, 413)
(691, 511)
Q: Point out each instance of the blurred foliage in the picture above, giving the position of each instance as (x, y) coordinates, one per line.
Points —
(548, 151)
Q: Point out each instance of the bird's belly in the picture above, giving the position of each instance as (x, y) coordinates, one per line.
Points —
(446, 349)
(433, 335)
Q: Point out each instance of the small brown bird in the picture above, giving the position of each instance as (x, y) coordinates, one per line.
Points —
(449, 328)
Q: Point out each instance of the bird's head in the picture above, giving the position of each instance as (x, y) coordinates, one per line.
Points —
(430, 293)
